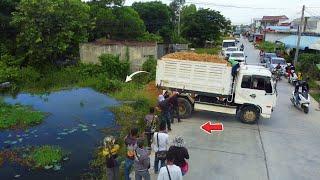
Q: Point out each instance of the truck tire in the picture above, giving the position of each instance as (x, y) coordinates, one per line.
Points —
(249, 115)
(185, 108)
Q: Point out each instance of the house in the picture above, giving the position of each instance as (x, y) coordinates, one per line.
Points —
(311, 24)
(273, 20)
(306, 42)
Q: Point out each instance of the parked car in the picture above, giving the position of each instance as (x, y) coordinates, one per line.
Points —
(229, 50)
(274, 61)
(238, 56)
(266, 57)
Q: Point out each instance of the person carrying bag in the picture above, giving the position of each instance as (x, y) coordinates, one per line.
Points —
(160, 146)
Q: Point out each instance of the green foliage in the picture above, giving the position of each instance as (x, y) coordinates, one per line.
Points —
(128, 24)
(8, 73)
(104, 22)
(204, 25)
(46, 155)
(157, 18)
(114, 68)
(29, 75)
(18, 116)
(55, 33)
(8, 32)
(307, 64)
(267, 46)
(149, 37)
(10, 60)
(150, 66)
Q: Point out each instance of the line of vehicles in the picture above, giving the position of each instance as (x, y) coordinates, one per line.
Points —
(231, 51)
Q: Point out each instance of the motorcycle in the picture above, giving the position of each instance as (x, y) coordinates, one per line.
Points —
(292, 78)
(276, 75)
(303, 101)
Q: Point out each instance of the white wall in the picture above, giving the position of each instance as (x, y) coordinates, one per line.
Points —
(273, 37)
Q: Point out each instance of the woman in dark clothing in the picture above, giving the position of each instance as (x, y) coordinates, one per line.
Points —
(180, 154)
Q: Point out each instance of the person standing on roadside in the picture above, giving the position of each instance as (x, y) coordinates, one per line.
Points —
(160, 147)
(111, 150)
(151, 121)
(164, 105)
(170, 171)
(174, 109)
(131, 143)
(180, 154)
(142, 162)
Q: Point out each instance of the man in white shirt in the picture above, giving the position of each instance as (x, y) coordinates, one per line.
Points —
(160, 143)
(170, 171)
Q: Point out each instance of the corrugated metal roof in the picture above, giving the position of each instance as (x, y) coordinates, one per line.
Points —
(306, 41)
(278, 28)
(274, 18)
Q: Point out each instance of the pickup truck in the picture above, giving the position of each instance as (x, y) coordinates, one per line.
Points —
(210, 86)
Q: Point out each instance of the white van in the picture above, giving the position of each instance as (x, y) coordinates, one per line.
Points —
(228, 43)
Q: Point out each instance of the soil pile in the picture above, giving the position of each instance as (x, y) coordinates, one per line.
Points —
(191, 56)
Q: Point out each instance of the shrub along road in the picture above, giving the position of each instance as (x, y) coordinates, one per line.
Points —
(284, 147)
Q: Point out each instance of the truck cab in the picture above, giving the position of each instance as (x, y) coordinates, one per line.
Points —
(255, 89)
(228, 43)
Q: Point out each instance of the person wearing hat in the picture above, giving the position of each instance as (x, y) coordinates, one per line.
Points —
(180, 154)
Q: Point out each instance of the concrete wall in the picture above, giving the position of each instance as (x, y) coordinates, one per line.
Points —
(89, 53)
(273, 37)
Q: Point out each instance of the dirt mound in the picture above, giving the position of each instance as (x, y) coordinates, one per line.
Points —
(191, 56)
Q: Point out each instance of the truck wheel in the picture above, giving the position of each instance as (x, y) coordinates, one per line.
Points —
(185, 108)
(249, 115)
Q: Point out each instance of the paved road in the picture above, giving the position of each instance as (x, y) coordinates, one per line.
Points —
(285, 147)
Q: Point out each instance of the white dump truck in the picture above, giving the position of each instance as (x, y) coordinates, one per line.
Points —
(210, 86)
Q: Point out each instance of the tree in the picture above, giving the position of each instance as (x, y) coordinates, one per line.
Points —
(7, 31)
(187, 11)
(50, 30)
(156, 17)
(103, 22)
(204, 25)
(104, 3)
(128, 24)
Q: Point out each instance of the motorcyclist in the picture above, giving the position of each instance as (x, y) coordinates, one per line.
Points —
(300, 87)
(241, 47)
(278, 67)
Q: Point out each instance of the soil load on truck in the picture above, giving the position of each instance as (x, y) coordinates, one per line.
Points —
(195, 73)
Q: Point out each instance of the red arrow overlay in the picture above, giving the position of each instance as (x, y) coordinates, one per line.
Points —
(208, 127)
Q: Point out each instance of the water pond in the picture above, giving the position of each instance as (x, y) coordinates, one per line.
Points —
(75, 118)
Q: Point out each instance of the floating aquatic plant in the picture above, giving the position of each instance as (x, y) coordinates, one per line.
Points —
(40, 157)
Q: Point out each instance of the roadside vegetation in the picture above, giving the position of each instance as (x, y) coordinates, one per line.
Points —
(214, 50)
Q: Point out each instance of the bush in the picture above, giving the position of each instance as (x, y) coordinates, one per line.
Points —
(150, 37)
(114, 68)
(8, 73)
(29, 75)
(307, 65)
(89, 70)
(150, 66)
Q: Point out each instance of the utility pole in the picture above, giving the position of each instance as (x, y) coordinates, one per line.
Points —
(295, 61)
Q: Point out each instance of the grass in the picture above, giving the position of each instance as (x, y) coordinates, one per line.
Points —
(316, 96)
(46, 155)
(214, 50)
(18, 116)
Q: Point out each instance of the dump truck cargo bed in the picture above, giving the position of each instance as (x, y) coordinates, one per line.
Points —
(198, 76)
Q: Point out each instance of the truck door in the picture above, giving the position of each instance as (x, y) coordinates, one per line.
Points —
(257, 90)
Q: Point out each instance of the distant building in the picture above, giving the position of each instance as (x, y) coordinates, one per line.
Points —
(311, 24)
(274, 20)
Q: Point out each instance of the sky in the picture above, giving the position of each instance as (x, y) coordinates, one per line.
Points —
(242, 11)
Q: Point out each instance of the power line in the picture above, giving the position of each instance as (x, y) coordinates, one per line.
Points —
(231, 6)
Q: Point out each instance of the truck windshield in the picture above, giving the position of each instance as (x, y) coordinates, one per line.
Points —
(228, 44)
